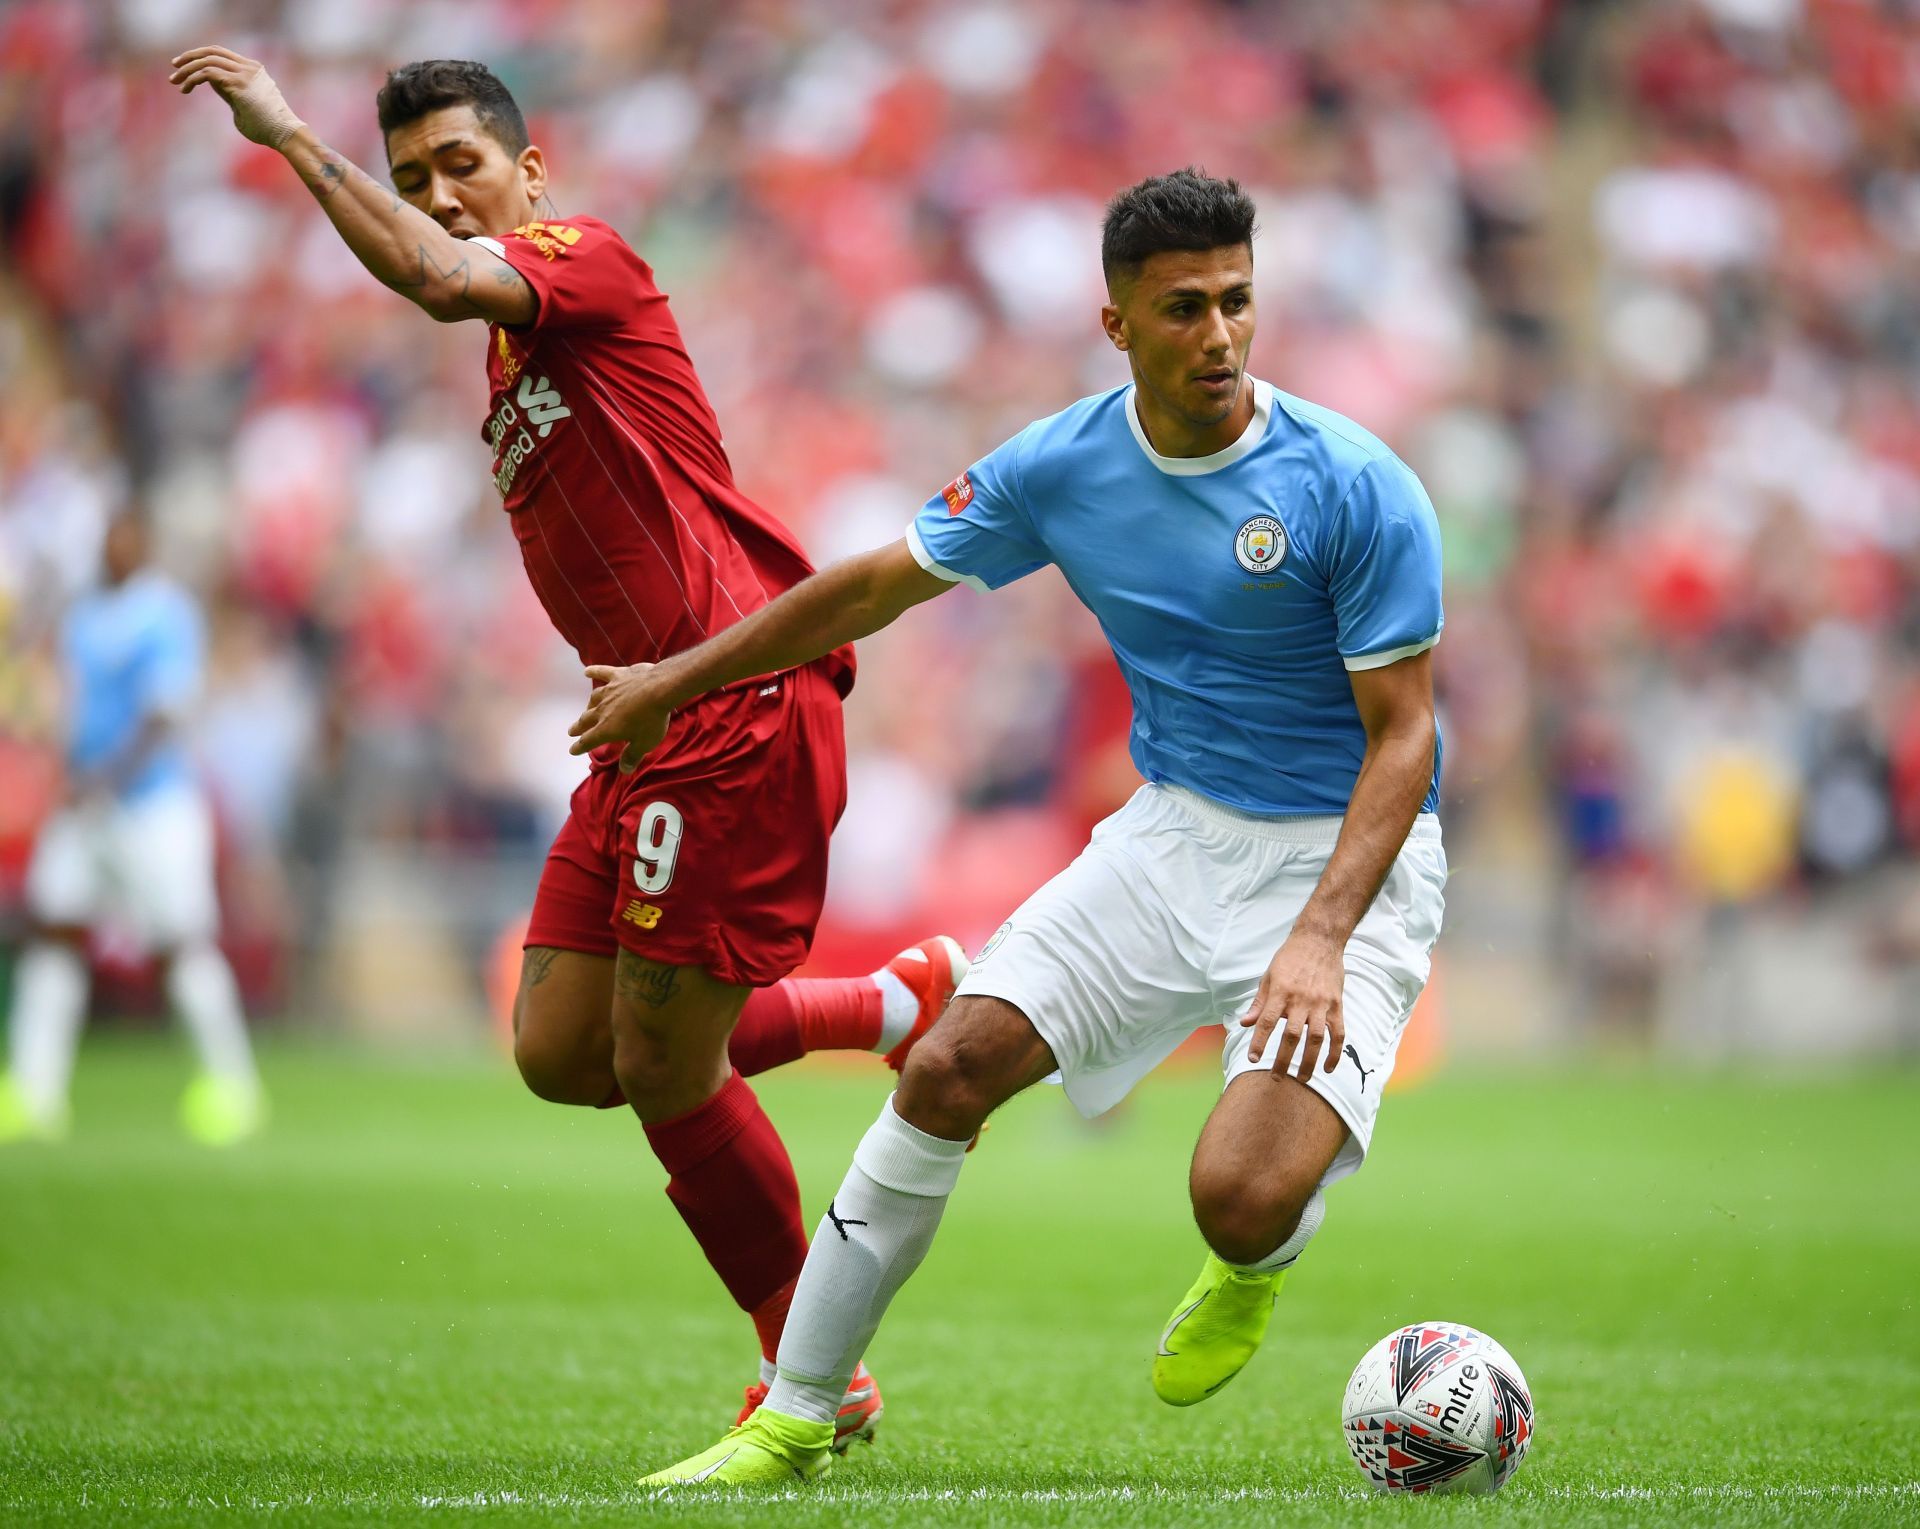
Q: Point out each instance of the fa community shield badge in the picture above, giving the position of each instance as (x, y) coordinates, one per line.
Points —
(1261, 545)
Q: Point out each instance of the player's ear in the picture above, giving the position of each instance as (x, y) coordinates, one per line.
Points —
(1115, 327)
(533, 170)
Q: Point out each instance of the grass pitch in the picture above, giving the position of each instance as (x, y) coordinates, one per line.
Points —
(426, 1297)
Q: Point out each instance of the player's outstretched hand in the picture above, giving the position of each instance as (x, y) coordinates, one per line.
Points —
(259, 110)
(1302, 986)
(621, 710)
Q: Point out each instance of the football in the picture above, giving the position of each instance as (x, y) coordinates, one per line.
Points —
(1437, 1407)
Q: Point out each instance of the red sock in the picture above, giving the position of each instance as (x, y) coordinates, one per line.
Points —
(729, 1176)
(782, 1023)
(770, 1318)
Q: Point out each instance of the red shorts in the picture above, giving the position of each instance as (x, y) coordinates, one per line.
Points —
(714, 852)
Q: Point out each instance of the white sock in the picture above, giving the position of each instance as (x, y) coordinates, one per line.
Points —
(876, 1231)
(49, 1002)
(1283, 1256)
(899, 1008)
(767, 1371)
(201, 986)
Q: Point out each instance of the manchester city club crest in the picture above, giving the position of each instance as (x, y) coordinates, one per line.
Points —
(1261, 545)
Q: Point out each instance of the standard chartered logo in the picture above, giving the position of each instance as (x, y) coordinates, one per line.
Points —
(513, 441)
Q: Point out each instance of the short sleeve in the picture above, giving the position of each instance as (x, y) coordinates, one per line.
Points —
(977, 530)
(585, 275)
(174, 657)
(1384, 568)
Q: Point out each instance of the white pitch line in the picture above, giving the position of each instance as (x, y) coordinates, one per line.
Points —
(1724, 1492)
(877, 1496)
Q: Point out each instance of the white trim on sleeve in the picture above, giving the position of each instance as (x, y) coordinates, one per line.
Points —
(1390, 656)
(487, 243)
(939, 570)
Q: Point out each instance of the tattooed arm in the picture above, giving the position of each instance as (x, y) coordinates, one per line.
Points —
(448, 277)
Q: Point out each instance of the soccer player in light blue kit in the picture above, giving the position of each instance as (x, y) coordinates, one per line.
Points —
(134, 843)
(1268, 574)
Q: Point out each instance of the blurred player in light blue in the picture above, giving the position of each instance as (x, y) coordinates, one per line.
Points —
(1268, 575)
(132, 845)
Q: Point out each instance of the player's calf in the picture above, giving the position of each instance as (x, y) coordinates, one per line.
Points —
(728, 1173)
(1219, 1324)
(1257, 1219)
(1255, 1186)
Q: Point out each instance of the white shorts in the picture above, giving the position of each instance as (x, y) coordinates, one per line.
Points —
(145, 865)
(1168, 921)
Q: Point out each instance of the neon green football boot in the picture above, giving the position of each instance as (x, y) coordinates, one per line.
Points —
(19, 1121)
(1214, 1331)
(770, 1449)
(219, 1112)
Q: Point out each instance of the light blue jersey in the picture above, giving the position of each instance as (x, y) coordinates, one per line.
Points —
(131, 651)
(1236, 589)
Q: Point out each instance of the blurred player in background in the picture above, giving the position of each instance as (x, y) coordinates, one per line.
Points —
(133, 846)
(1268, 575)
(677, 898)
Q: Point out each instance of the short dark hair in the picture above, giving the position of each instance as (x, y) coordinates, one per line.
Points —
(413, 90)
(1187, 210)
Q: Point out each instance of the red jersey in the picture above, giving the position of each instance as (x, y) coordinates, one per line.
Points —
(608, 458)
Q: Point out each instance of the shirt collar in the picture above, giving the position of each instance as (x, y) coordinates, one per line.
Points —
(1226, 456)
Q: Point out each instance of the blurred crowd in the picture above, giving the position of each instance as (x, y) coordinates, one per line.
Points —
(1635, 288)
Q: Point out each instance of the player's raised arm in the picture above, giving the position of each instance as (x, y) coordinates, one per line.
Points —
(848, 601)
(406, 249)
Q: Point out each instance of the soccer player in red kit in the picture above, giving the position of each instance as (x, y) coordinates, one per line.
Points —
(678, 896)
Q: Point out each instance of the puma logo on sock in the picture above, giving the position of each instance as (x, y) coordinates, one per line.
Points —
(841, 1226)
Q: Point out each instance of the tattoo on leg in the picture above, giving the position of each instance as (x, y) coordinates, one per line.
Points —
(653, 983)
(536, 964)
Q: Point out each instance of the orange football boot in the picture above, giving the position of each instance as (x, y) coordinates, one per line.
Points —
(931, 970)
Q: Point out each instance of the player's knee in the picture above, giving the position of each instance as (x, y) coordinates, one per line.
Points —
(1245, 1216)
(662, 1081)
(647, 1077)
(945, 1088)
(554, 1065)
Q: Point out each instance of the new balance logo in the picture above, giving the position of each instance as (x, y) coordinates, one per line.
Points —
(1365, 1072)
(542, 403)
(840, 1226)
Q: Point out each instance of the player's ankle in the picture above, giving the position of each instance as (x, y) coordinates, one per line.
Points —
(800, 1409)
(899, 1010)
